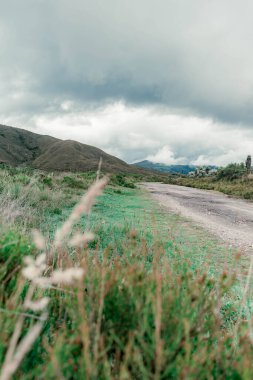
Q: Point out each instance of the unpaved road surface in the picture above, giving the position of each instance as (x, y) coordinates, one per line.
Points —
(228, 218)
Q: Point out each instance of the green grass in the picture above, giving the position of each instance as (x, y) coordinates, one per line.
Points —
(158, 299)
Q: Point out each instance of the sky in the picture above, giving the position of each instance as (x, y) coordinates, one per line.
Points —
(166, 80)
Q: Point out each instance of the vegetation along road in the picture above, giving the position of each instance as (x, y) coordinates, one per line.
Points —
(228, 218)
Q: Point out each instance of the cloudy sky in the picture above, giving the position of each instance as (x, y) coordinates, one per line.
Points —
(167, 80)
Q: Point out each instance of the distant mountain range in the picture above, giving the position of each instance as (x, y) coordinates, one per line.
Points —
(21, 147)
(177, 169)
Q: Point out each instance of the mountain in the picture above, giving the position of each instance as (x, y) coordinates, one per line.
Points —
(21, 147)
(181, 169)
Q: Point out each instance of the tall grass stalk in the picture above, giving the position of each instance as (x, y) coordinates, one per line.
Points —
(37, 272)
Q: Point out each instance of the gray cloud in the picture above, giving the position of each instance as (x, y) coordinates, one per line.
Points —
(195, 55)
(194, 58)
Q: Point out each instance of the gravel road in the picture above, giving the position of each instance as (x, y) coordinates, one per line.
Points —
(228, 218)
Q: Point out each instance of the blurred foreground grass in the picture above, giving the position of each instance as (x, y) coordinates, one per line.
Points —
(159, 299)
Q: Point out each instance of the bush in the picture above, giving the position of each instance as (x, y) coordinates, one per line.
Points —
(248, 195)
(121, 180)
(73, 182)
(47, 181)
(13, 248)
(231, 172)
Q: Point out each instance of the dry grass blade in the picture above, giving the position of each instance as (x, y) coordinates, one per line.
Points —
(83, 207)
(35, 270)
(24, 347)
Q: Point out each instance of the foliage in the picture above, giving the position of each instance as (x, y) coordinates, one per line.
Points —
(47, 181)
(13, 248)
(231, 172)
(124, 181)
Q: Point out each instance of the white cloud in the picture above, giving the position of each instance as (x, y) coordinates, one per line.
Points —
(138, 133)
(166, 156)
(67, 105)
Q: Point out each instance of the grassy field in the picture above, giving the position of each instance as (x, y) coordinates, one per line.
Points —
(158, 298)
(241, 188)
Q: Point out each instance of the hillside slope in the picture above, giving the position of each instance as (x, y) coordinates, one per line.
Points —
(21, 147)
(18, 146)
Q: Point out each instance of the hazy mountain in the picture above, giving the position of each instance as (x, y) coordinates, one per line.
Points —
(181, 169)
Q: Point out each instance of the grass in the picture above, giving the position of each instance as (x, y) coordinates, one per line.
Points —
(159, 299)
(241, 188)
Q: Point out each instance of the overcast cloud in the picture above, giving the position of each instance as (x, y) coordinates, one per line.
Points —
(167, 80)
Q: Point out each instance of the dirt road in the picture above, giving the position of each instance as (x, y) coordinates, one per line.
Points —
(228, 218)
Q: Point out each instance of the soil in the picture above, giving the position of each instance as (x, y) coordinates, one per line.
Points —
(228, 218)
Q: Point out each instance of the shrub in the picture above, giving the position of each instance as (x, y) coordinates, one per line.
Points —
(73, 182)
(47, 181)
(231, 172)
(121, 180)
(13, 248)
(248, 195)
